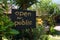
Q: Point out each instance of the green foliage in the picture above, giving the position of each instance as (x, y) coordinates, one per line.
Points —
(47, 10)
(51, 10)
(25, 3)
(13, 31)
(39, 33)
(5, 23)
(35, 33)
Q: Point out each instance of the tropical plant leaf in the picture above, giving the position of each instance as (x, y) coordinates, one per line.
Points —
(13, 32)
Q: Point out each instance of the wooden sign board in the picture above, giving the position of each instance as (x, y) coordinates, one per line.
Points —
(23, 18)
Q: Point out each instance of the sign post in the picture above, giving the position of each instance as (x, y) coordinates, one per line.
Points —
(23, 19)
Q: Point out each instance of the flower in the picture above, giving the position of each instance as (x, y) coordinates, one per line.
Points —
(39, 21)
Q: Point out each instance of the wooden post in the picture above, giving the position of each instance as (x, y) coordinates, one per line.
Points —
(31, 35)
(24, 6)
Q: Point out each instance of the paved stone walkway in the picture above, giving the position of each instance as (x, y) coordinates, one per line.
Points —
(57, 28)
(54, 37)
